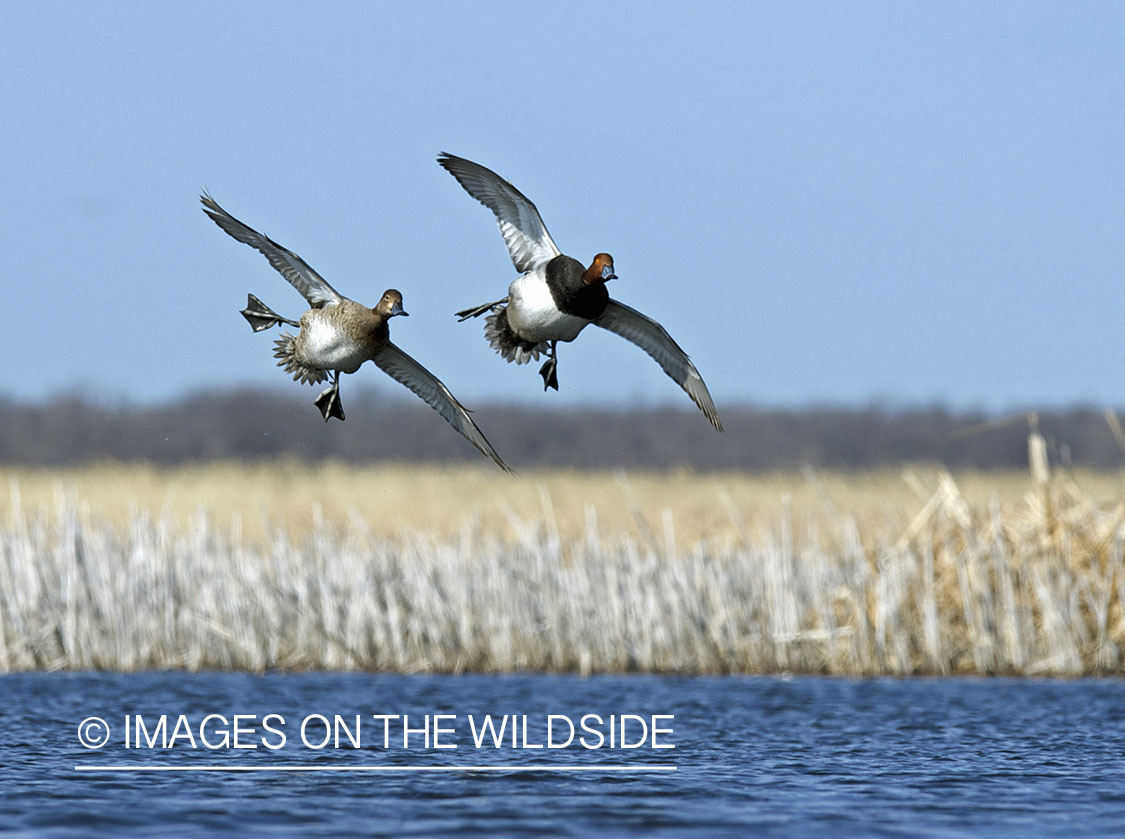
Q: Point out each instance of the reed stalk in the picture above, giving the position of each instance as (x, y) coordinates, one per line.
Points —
(941, 585)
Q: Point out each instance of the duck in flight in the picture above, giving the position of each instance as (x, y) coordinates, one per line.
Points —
(337, 335)
(555, 296)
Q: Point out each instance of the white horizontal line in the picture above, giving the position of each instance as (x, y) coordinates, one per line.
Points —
(290, 767)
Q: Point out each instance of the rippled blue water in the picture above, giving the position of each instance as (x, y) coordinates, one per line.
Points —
(753, 756)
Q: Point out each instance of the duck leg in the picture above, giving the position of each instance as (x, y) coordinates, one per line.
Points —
(477, 311)
(329, 400)
(261, 316)
(548, 370)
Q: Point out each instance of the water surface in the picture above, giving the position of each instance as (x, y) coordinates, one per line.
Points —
(803, 757)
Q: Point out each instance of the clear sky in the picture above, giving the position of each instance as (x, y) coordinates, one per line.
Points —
(821, 202)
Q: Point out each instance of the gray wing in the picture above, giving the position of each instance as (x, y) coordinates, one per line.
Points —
(529, 243)
(303, 278)
(405, 370)
(651, 337)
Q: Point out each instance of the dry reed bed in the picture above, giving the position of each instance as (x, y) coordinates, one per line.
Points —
(948, 587)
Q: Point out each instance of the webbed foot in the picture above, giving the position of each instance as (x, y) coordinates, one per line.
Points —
(261, 317)
(477, 311)
(548, 372)
(329, 403)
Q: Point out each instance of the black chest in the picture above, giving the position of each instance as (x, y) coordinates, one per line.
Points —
(571, 295)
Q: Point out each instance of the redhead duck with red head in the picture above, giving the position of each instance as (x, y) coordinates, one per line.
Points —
(555, 296)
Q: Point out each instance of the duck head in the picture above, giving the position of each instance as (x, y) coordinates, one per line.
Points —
(600, 270)
(391, 304)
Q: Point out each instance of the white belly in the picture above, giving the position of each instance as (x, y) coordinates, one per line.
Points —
(322, 344)
(532, 313)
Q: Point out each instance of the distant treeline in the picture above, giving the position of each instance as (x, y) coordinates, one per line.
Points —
(263, 424)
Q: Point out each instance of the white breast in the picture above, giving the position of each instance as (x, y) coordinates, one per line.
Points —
(532, 313)
(323, 344)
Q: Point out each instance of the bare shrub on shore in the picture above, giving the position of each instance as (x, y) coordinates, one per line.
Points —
(948, 585)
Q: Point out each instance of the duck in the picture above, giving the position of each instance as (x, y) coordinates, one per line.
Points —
(555, 296)
(337, 335)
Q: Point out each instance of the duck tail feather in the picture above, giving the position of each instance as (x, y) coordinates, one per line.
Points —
(285, 352)
(504, 341)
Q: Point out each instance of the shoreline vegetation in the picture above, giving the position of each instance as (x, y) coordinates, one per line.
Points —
(252, 425)
(284, 566)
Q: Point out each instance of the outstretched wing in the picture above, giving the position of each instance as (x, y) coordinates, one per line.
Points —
(654, 339)
(528, 241)
(303, 278)
(404, 369)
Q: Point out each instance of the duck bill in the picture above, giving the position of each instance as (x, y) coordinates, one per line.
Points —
(397, 309)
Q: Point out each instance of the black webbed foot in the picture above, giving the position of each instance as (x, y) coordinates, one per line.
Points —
(329, 403)
(262, 317)
(477, 311)
(548, 372)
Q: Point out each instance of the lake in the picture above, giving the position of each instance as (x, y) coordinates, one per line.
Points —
(349, 754)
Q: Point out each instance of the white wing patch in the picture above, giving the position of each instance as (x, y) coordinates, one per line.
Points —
(525, 234)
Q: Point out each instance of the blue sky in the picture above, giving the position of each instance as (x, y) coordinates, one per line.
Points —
(822, 202)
